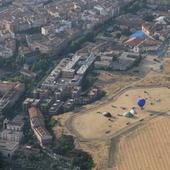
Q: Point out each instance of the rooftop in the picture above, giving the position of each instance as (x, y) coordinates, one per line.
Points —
(34, 112)
(8, 145)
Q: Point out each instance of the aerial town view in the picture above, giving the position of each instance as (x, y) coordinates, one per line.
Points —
(84, 84)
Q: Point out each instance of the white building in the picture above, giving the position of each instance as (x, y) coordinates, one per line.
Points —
(10, 136)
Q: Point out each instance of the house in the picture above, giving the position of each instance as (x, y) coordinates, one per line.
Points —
(149, 46)
(151, 28)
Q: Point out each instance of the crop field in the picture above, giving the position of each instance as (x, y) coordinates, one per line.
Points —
(148, 148)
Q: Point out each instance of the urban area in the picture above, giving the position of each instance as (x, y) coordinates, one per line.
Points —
(84, 84)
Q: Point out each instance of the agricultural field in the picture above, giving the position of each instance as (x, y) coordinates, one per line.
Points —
(147, 148)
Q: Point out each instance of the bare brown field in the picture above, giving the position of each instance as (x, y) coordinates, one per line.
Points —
(156, 79)
(93, 125)
(167, 66)
(91, 120)
(148, 148)
(111, 83)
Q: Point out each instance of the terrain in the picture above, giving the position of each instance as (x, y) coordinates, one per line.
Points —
(146, 148)
(104, 137)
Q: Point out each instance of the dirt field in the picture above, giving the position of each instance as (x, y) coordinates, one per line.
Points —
(112, 82)
(93, 125)
(167, 66)
(149, 63)
(147, 148)
(94, 132)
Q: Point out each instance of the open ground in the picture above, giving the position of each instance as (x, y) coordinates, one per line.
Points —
(99, 135)
(147, 148)
(93, 125)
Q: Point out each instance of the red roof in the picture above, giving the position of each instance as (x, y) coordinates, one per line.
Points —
(132, 42)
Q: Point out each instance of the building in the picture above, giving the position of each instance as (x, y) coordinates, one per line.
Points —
(75, 92)
(147, 28)
(10, 92)
(15, 124)
(68, 73)
(29, 102)
(46, 104)
(40, 93)
(68, 105)
(149, 46)
(38, 126)
(8, 148)
(134, 42)
(102, 64)
(11, 135)
(87, 64)
(56, 108)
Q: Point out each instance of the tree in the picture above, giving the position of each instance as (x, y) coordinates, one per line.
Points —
(19, 60)
(126, 32)
(135, 5)
(3, 163)
(52, 122)
(118, 35)
(82, 160)
(55, 167)
(149, 18)
(65, 145)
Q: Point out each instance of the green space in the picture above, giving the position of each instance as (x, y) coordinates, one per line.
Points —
(65, 146)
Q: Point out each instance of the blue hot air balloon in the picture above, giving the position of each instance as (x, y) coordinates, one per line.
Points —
(141, 102)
